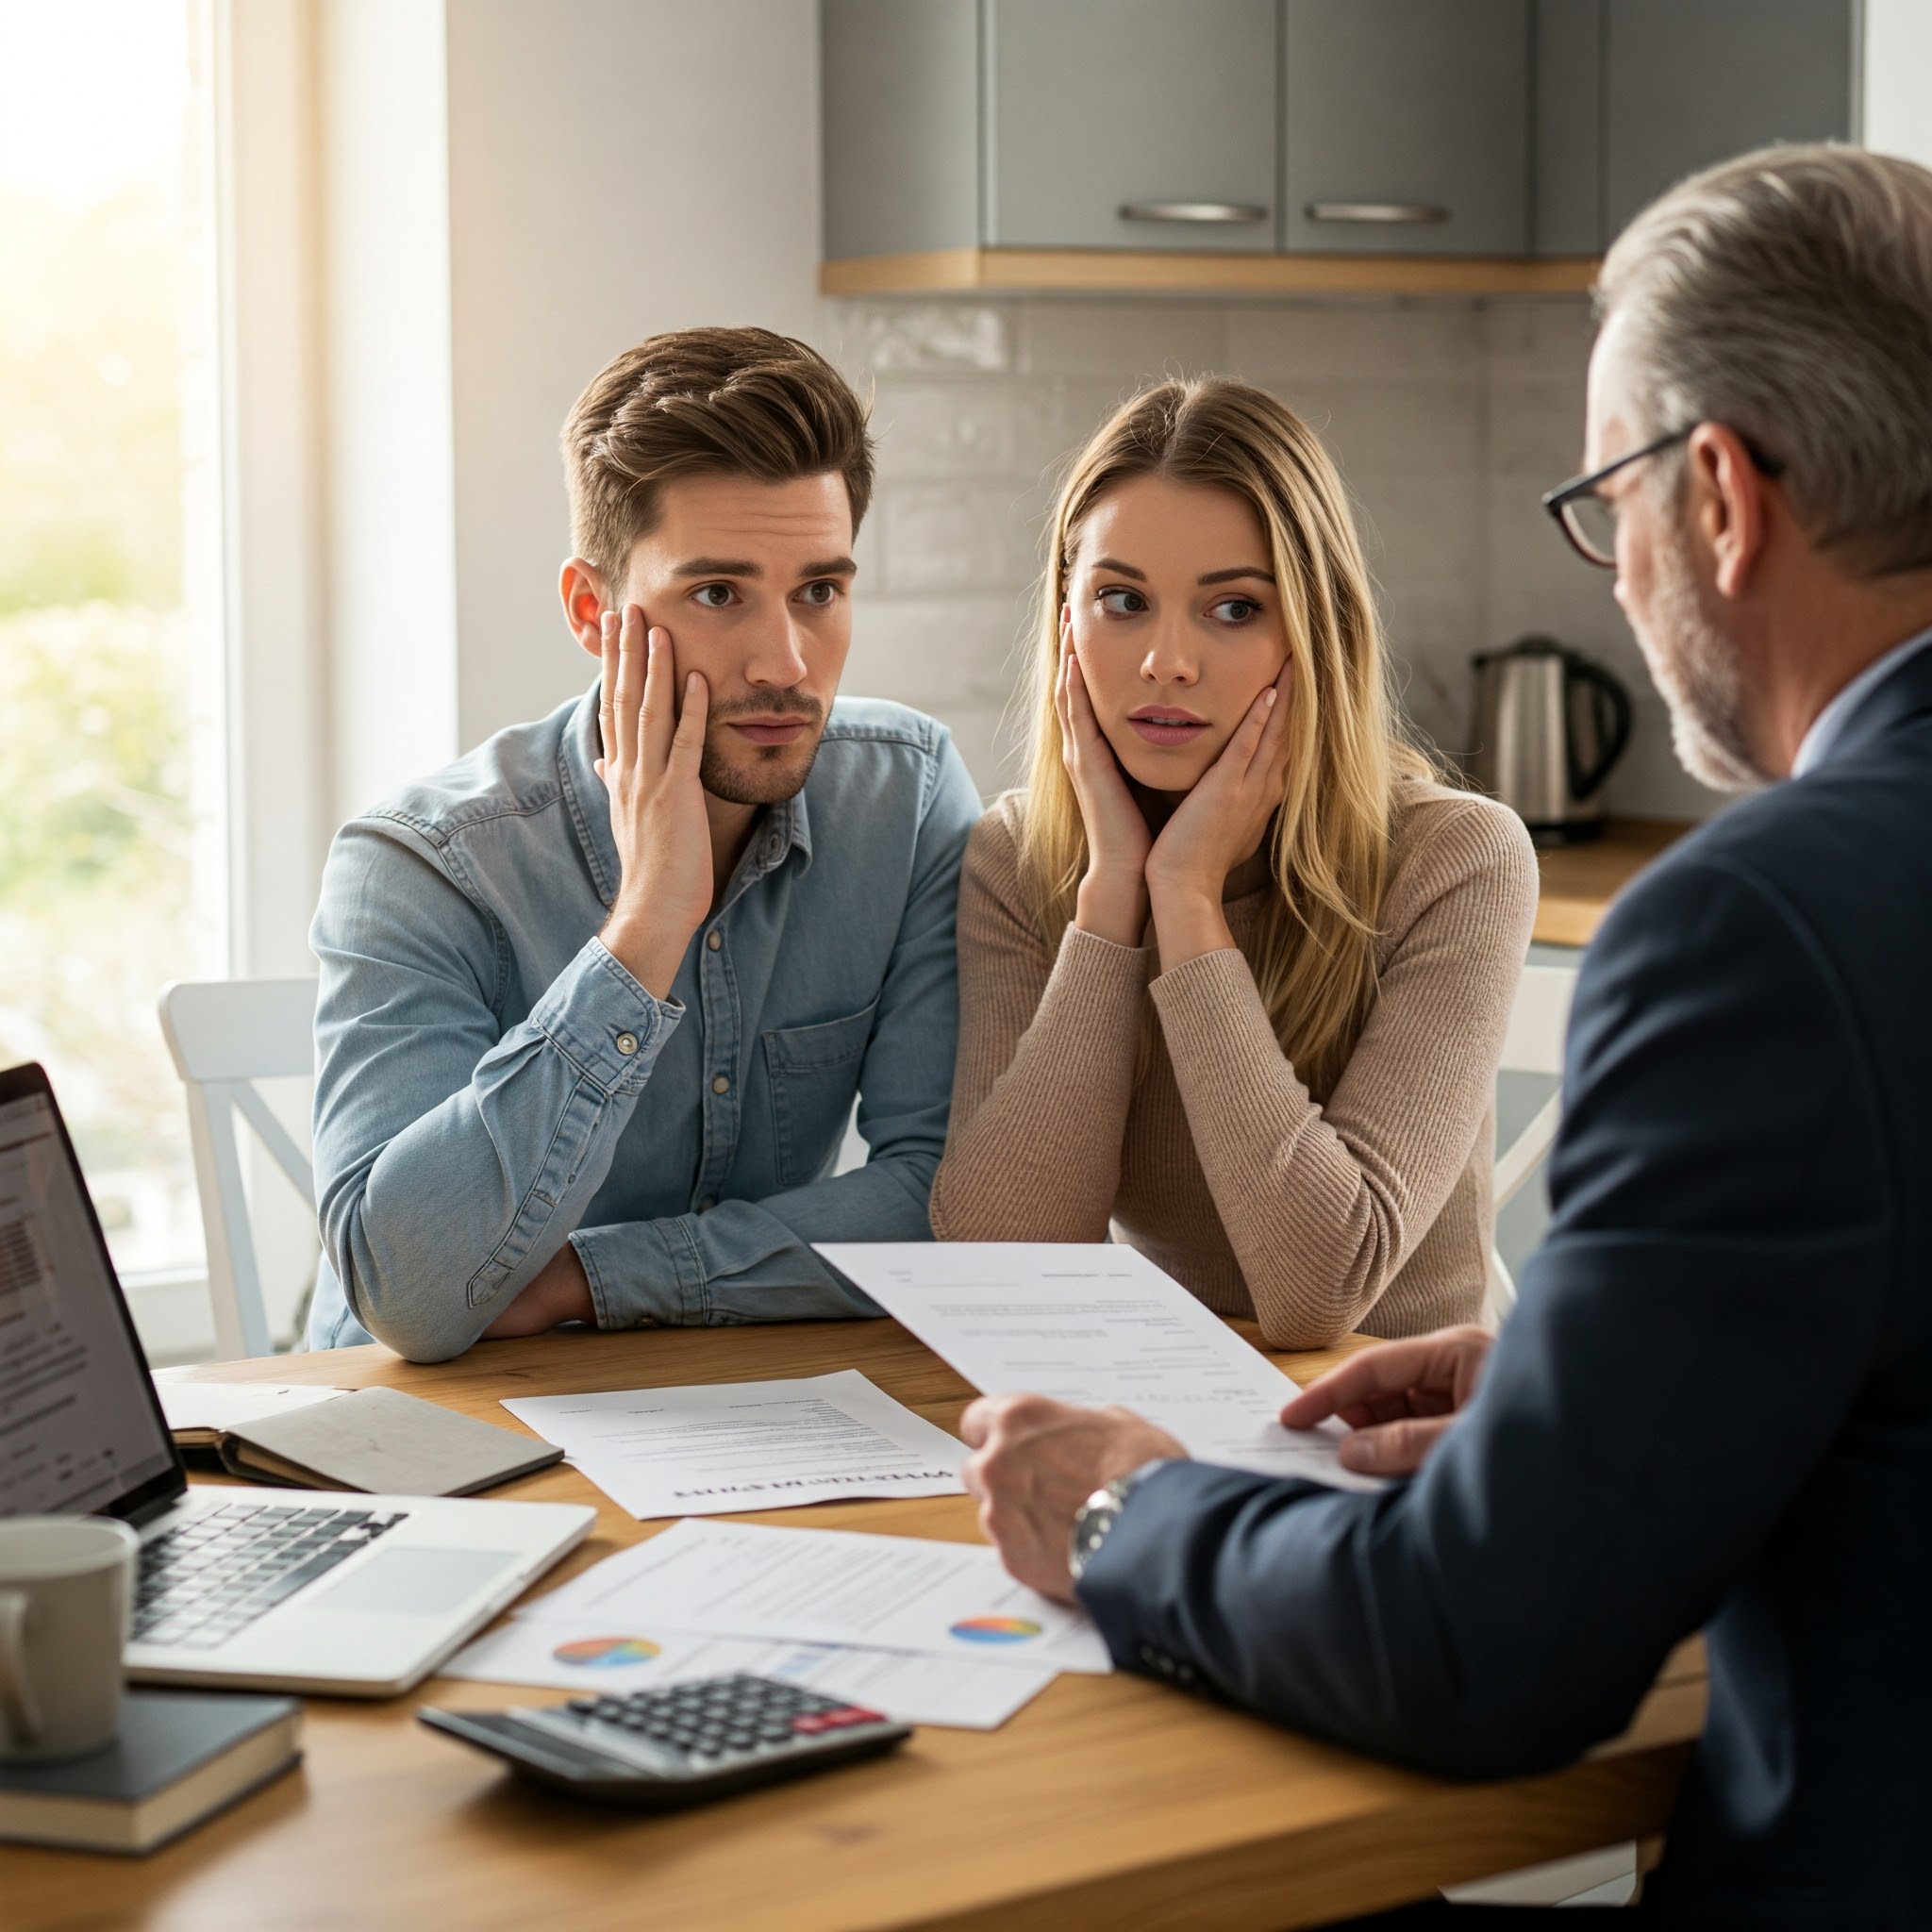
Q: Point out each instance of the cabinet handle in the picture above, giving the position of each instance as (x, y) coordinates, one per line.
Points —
(1410, 212)
(1191, 212)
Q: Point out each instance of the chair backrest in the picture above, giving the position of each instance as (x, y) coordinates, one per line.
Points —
(226, 1035)
(1533, 1044)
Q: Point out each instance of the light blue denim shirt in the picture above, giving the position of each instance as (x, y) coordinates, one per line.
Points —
(490, 1081)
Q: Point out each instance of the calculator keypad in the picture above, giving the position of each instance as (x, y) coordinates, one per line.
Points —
(723, 1718)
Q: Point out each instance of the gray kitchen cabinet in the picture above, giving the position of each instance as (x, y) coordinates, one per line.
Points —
(1406, 126)
(1130, 124)
(899, 94)
(1049, 124)
(1633, 94)
(1689, 82)
(1504, 129)
(1566, 166)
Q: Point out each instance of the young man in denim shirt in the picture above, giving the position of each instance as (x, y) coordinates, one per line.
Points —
(596, 999)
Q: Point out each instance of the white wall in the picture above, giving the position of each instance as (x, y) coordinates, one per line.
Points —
(616, 166)
(388, 458)
(513, 192)
(1896, 78)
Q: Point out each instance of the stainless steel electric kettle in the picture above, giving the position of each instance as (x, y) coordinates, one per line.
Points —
(1548, 725)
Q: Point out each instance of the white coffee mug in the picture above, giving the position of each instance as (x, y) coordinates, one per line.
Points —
(66, 1585)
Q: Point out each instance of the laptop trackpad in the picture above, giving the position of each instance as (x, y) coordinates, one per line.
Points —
(413, 1583)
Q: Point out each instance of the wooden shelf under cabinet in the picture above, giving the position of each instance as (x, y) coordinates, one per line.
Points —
(1082, 271)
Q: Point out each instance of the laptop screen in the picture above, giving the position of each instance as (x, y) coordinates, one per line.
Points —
(81, 1428)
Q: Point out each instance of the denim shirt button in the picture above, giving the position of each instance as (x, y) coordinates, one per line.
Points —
(705, 1205)
(715, 941)
(720, 1084)
(627, 1044)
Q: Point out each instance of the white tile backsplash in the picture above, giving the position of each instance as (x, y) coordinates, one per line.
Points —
(1130, 340)
(1448, 417)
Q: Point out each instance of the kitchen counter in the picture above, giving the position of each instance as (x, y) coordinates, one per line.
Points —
(1580, 881)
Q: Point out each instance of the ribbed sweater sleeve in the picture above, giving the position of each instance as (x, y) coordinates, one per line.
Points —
(1322, 1205)
(1045, 1067)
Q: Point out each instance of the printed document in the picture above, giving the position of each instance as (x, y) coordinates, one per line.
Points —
(1095, 1324)
(707, 1451)
(830, 1586)
(606, 1660)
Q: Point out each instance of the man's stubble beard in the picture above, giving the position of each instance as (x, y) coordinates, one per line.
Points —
(1695, 667)
(775, 772)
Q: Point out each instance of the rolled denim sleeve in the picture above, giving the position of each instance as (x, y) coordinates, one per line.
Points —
(751, 1260)
(453, 1157)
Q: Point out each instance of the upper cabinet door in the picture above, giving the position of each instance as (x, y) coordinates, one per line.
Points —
(1407, 126)
(1692, 82)
(1129, 123)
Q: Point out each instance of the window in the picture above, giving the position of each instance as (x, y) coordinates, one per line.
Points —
(111, 849)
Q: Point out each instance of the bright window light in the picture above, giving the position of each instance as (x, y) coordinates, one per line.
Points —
(111, 871)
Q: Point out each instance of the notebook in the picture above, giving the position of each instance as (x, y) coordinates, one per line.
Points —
(380, 1440)
(180, 1757)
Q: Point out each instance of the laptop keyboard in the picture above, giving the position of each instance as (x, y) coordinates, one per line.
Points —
(217, 1573)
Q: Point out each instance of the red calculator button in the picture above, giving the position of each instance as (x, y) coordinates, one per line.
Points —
(812, 1726)
(858, 1714)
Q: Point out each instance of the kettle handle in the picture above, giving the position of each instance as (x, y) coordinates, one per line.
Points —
(1611, 703)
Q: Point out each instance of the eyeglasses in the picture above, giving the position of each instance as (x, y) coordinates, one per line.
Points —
(1589, 519)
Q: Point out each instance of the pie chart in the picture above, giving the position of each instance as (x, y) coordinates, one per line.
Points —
(606, 1653)
(996, 1629)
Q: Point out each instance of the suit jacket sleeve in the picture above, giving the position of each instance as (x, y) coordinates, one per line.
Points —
(1689, 1338)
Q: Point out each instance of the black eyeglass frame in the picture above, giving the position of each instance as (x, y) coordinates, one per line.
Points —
(1558, 501)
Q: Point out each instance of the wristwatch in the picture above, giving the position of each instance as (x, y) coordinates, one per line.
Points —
(1094, 1520)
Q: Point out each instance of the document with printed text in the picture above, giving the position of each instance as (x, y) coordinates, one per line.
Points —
(711, 1450)
(830, 1587)
(1095, 1324)
(607, 1660)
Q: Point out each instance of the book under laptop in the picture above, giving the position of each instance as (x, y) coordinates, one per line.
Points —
(352, 1595)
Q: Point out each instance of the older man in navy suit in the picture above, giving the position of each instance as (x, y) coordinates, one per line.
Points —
(1712, 1407)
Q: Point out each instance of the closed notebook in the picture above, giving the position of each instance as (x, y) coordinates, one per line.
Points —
(379, 1439)
(179, 1757)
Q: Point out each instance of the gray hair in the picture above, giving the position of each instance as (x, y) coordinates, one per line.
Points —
(1788, 293)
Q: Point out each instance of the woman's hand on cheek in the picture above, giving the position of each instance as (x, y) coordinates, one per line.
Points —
(1220, 823)
(1112, 903)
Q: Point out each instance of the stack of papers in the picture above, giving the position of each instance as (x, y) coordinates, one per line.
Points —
(731, 1447)
(931, 1632)
(1095, 1324)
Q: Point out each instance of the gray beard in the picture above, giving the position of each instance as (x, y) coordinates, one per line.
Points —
(1695, 667)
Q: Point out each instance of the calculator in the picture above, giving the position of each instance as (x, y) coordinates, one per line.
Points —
(682, 1745)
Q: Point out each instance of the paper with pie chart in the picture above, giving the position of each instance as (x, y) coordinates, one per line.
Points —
(591, 1658)
(1096, 1322)
(828, 1586)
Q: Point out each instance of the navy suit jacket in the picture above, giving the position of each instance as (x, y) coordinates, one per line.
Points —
(1712, 1409)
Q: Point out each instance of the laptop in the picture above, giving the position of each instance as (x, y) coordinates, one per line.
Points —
(347, 1594)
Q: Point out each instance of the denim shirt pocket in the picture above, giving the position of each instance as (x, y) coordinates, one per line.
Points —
(813, 1074)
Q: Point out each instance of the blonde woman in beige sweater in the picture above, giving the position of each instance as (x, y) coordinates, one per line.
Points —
(1234, 970)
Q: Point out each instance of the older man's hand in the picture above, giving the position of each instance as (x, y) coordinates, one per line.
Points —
(1035, 1462)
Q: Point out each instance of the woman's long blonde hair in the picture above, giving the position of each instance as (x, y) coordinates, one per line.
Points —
(1328, 851)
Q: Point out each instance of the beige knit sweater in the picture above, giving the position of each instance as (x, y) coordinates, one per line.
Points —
(1371, 1213)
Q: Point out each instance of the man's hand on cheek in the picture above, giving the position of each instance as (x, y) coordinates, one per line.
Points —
(1035, 1462)
(654, 738)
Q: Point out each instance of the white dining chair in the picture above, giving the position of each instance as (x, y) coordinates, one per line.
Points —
(1534, 1044)
(224, 1036)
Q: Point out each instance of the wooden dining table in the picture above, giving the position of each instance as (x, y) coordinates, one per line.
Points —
(1107, 1801)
